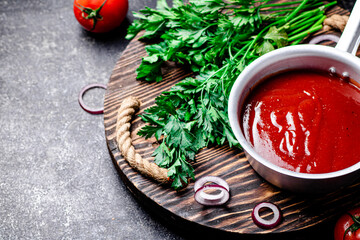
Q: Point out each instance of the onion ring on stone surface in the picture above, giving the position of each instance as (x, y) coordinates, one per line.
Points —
(81, 101)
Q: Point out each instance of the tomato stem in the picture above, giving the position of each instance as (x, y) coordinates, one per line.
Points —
(355, 226)
(93, 14)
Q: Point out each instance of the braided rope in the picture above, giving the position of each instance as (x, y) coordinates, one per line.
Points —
(125, 112)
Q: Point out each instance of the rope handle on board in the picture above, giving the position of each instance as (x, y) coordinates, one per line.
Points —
(124, 142)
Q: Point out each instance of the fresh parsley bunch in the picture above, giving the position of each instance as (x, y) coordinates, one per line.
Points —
(217, 39)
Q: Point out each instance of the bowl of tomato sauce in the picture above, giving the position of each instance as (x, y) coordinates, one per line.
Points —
(296, 113)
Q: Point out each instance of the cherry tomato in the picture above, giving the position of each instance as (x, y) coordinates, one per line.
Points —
(100, 16)
(348, 226)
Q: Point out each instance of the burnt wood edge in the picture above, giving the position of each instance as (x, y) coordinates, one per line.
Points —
(193, 230)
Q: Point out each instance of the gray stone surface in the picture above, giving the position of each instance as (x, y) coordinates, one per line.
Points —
(57, 180)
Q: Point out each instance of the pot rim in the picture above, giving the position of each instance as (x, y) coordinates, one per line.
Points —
(241, 83)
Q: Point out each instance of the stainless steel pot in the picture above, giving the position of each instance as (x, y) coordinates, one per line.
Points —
(341, 59)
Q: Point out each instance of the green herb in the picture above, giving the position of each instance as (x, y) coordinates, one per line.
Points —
(217, 40)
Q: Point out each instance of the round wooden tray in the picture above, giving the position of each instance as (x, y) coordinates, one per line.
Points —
(247, 188)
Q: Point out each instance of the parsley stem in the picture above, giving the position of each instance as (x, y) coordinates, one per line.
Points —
(279, 14)
(300, 29)
(222, 79)
(313, 5)
(293, 14)
(321, 20)
(305, 33)
(304, 15)
(229, 50)
(311, 19)
(308, 18)
(242, 49)
(300, 25)
(309, 23)
(279, 4)
(296, 41)
(287, 9)
(329, 5)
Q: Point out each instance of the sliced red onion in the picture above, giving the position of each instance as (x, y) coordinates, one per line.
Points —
(325, 37)
(81, 101)
(263, 223)
(212, 199)
(217, 184)
(211, 179)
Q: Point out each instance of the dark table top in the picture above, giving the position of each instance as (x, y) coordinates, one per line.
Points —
(57, 179)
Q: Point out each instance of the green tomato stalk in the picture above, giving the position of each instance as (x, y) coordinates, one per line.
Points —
(89, 13)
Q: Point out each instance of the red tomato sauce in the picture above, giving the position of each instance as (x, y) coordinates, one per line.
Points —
(305, 121)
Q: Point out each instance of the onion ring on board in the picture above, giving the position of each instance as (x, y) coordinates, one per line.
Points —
(219, 189)
(264, 223)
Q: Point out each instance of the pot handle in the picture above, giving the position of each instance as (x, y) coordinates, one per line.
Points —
(349, 40)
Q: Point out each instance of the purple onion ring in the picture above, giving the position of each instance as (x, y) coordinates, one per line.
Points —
(81, 101)
(264, 223)
(217, 184)
(212, 199)
(325, 37)
(208, 179)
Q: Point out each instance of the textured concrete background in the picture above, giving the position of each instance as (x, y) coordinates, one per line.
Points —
(57, 180)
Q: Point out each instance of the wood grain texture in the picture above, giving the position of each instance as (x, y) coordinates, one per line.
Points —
(247, 188)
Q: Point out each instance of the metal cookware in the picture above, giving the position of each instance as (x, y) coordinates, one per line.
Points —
(341, 60)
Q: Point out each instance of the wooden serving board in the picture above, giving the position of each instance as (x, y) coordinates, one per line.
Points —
(247, 188)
